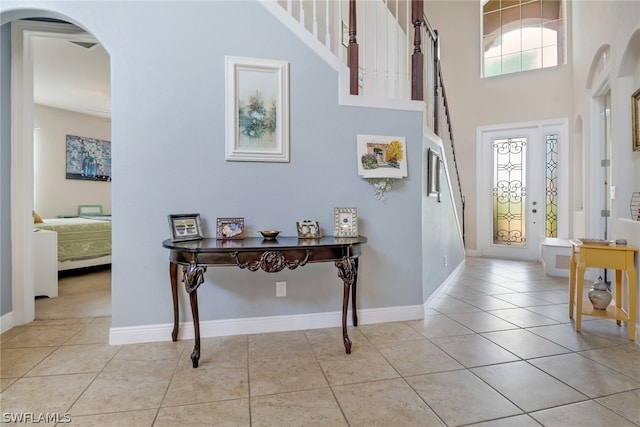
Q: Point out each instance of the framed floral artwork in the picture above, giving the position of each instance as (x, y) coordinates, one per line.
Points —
(257, 110)
(382, 156)
(88, 158)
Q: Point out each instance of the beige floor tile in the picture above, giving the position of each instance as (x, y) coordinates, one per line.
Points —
(522, 299)
(438, 325)
(585, 375)
(167, 351)
(278, 343)
(446, 305)
(389, 332)
(525, 344)
(557, 312)
(523, 317)
(53, 394)
(363, 364)
(328, 342)
(6, 382)
(486, 302)
(230, 413)
(473, 350)
(96, 332)
(207, 384)
(566, 336)
(622, 358)
(459, 397)
(553, 297)
(481, 321)
(583, 414)
(528, 387)
(417, 358)
(229, 352)
(116, 419)
(281, 374)
(16, 362)
(75, 359)
(625, 404)
(302, 408)
(385, 403)
(516, 421)
(42, 336)
(121, 391)
(606, 328)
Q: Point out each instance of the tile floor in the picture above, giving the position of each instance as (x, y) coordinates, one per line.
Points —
(496, 348)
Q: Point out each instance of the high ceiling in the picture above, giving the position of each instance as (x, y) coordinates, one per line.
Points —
(72, 76)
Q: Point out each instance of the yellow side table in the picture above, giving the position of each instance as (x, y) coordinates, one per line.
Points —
(618, 258)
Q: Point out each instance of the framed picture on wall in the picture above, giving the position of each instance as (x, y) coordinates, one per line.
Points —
(433, 173)
(382, 156)
(257, 110)
(185, 227)
(88, 158)
(635, 117)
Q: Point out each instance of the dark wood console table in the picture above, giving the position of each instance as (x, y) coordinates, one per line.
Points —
(256, 253)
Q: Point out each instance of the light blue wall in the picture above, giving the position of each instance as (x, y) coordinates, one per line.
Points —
(5, 169)
(168, 139)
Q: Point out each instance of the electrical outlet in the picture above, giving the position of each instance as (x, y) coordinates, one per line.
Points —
(281, 289)
(445, 261)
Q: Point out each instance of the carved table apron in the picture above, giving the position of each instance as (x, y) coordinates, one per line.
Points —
(257, 253)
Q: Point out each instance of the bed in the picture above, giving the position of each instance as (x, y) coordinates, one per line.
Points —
(82, 241)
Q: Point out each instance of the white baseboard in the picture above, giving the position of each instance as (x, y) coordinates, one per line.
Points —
(256, 325)
(6, 322)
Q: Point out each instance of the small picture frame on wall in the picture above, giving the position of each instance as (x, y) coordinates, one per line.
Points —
(185, 227)
(635, 117)
(308, 229)
(345, 222)
(229, 228)
(433, 174)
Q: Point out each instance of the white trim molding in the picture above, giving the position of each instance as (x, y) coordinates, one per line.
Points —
(258, 325)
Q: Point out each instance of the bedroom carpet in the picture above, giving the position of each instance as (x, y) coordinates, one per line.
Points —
(79, 296)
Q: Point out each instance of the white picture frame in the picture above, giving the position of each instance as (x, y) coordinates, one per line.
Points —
(257, 110)
(345, 222)
(382, 156)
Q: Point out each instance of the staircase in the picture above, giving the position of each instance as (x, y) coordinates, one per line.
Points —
(390, 52)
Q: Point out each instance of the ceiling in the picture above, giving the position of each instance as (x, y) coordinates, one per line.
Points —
(72, 76)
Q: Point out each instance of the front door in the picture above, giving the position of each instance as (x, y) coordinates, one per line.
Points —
(511, 193)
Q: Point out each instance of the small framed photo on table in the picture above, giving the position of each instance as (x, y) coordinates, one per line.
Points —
(345, 222)
(185, 227)
(230, 228)
(308, 229)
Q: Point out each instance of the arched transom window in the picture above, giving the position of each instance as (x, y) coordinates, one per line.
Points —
(520, 35)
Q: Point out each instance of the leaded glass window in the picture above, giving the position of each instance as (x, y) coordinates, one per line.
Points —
(551, 188)
(509, 191)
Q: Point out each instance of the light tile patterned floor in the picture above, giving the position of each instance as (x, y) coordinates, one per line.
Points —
(496, 348)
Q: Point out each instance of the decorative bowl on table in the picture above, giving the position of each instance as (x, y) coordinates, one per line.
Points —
(269, 234)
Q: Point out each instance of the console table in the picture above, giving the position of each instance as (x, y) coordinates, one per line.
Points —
(618, 258)
(256, 253)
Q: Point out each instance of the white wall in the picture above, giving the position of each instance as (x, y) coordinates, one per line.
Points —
(54, 194)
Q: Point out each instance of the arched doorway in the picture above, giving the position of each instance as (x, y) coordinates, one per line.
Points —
(23, 34)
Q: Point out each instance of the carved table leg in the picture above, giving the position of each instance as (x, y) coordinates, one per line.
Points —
(173, 274)
(193, 276)
(347, 271)
(195, 354)
(354, 286)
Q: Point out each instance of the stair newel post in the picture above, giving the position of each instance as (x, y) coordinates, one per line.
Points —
(417, 58)
(353, 50)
